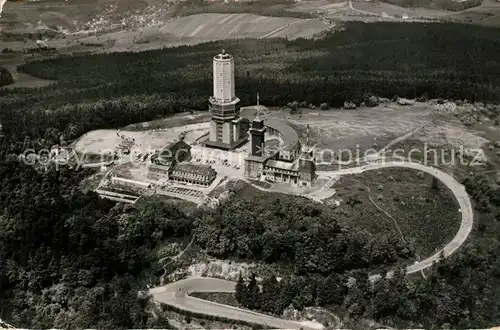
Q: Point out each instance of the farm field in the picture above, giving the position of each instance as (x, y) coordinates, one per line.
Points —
(209, 27)
(188, 30)
(149, 24)
(391, 10)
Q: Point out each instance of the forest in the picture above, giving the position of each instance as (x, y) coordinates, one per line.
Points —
(65, 260)
(458, 292)
(450, 61)
(293, 231)
(72, 260)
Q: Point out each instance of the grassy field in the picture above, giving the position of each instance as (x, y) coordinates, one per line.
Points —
(449, 5)
(210, 26)
(488, 14)
(415, 211)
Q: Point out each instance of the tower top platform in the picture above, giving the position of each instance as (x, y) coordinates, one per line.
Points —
(223, 56)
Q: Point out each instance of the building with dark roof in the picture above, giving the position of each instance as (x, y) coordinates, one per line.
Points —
(192, 173)
(172, 164)
(178, 151)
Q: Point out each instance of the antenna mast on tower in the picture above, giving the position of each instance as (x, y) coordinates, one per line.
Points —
(258, 108)
(307, 138)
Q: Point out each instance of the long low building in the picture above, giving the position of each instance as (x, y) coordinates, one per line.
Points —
(130, 183)
(172, 164)
(291, 145)
(202, 175)
(185, 172)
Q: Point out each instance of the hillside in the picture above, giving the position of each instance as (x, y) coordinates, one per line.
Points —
(73, 260)
(442, 60)
(210, 27)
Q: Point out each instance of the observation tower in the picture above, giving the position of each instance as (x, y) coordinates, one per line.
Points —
(226, 131)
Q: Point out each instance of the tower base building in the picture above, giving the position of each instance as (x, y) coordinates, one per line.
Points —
(227, 129)
(230, 127)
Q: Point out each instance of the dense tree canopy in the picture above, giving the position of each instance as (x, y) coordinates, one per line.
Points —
(109, 90)
(459, 292)
(292, 230)
(5, 77)
(72, 260)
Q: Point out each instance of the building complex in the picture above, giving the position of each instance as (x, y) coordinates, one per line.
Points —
(286, 163)
(231, 127)
(172, 163)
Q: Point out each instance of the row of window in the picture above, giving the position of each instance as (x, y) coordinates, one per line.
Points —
(281, 179)
(193, 176)
(219, 132)
(278, 170)
(158, 170)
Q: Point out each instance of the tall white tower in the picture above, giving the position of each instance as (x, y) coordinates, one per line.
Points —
(225, 127)
(223, 78)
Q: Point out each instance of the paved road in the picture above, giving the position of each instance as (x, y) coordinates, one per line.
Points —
(458, 190)
(175, 294)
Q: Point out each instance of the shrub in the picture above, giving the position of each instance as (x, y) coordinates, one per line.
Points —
(5, 77)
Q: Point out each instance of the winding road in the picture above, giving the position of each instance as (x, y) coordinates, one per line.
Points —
(177, 294)
(458, 190)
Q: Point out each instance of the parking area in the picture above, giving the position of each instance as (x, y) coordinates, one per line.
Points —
(228, 163)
